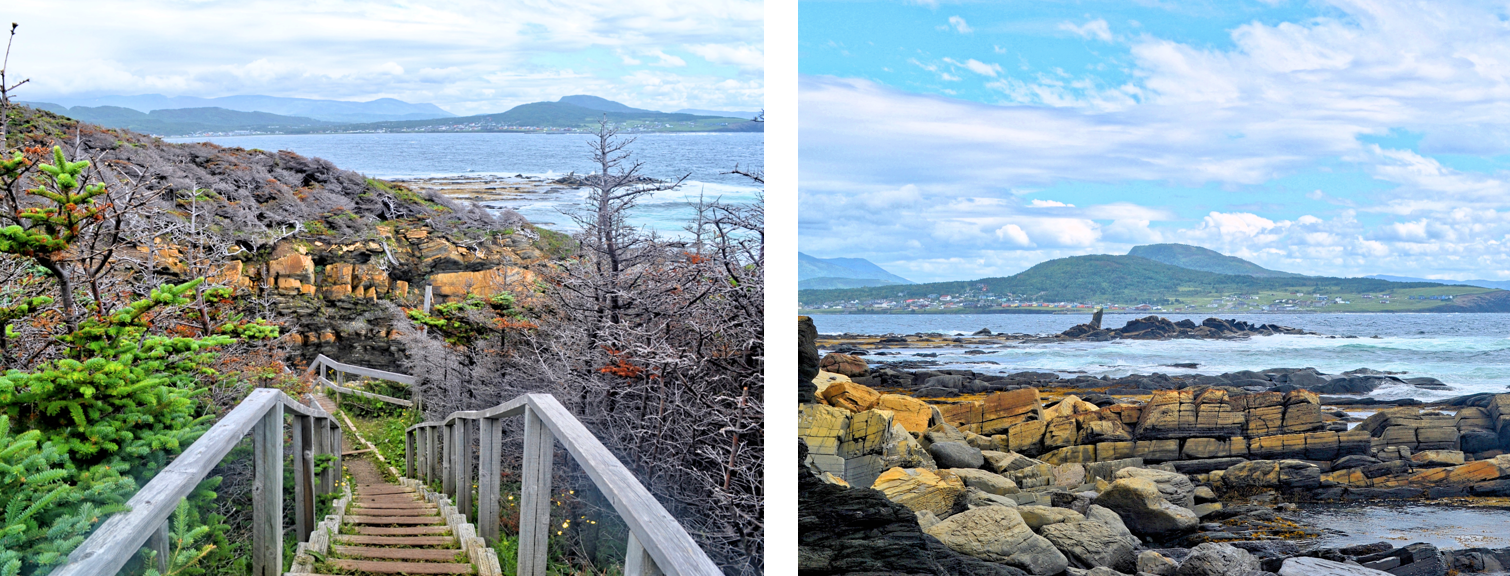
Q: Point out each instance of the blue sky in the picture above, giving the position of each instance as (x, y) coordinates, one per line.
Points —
(467, 56)
(961, 140)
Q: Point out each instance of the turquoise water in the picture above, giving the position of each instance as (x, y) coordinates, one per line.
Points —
(705, 159)
(1469, 352)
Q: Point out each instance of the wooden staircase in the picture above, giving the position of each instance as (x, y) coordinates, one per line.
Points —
(396, 533)
(389, 528)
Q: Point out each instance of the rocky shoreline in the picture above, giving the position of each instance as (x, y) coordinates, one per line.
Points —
(1029, 473)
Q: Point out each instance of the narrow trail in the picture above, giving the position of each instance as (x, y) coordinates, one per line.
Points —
(389, 529)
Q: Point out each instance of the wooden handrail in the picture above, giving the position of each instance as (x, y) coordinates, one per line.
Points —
(657, 542)
(322, 362)
(261, 413)
(363, 371)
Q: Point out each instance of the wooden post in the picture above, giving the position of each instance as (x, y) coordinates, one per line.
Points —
(422, 443)
(535, 497)
(637, 562)
(267, 493)
(304, 477)
(437, 453)
(464, 468)
(159, 542)
(408, 454)
(490, 443)
(448, 461)
(322, 444)
(428, 292)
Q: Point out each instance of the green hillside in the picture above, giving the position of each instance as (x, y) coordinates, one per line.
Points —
(1133, 279)
(180, 121)
(559, 115)
(1198, 258)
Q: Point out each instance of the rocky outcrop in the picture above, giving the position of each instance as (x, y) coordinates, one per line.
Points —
(997, 413)
(857, 447)
(858, 531)
(807, 360)
(1413, 428)
(1160, 328)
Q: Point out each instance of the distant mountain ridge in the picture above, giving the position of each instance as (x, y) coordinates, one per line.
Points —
(1130, 279)
(179, 120)
(1204, 259)
(602, 104)
(1499, 284)
(565, 113)
(719, 113)
(381, 109)
(815, 273)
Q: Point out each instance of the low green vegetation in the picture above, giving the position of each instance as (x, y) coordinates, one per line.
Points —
(82, 431)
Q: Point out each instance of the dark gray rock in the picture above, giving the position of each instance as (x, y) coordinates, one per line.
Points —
(956, 455)
(1219, 559)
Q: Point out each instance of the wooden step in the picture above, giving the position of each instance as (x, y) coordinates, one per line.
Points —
(394, 499)
(382, 567)
(400, 505)
(446, 555)
(393, 520)
(382, 489)
(365, 511)
(396, 540)
(401, 530)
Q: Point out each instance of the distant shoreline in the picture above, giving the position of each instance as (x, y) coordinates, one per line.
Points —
(809, 312)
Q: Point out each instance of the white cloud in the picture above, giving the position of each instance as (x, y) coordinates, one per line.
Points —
(1097, 29)
(1013, 235)
(982, 68)
(747, 56)
(1038, 203)
(960, 25)
(419, 51)
(1221, 124)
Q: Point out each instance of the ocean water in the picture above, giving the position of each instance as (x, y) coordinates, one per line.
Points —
(705, 158)
(1441, 526)
(1469, 352)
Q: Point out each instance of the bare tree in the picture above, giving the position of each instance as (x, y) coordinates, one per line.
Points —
(656, 344)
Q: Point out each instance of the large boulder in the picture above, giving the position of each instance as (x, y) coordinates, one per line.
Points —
(1094, 513)
(988, 482)
(911, 413)
(1151, 562)
(1219, 559)
(1175, 487)
(1037, 517)
(843, 364)
(1144, 510)
(956, 455)
(1303, 566)
(850, 396)
(998, 534)
(921, 490)
(1093, 544)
